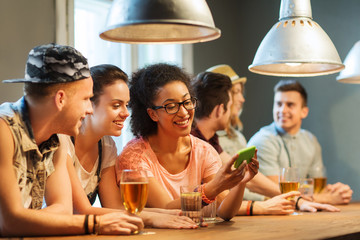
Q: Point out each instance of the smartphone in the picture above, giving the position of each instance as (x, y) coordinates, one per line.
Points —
(245, 154)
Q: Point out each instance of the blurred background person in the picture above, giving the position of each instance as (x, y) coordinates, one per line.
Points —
(284, 143)
(214, 94)
(231, 138)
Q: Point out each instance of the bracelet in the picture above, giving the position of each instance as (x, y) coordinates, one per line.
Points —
(86, 224)
(95, 232)
(248, 208)
(297, 203)
(251, 208)
(205, 200)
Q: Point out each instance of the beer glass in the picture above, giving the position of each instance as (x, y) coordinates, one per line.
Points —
(134, 190)
(320, 180)
(289, 179)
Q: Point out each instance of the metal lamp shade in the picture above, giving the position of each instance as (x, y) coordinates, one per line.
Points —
(160, 21)
(351, 73)
(296, 46)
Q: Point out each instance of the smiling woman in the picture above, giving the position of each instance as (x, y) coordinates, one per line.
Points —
(162, 114)
(111, 96)
(92, 150)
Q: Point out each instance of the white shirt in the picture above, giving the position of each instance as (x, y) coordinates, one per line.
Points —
(89, 180)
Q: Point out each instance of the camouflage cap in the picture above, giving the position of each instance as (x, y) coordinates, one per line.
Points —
(54, 63)
(227, 70)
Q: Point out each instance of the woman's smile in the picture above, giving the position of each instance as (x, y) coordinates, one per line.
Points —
(183, 123)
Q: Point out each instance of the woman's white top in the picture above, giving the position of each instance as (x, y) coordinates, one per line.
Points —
(89, 180)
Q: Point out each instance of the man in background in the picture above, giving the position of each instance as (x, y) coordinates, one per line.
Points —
(213, 90)
(284, 143)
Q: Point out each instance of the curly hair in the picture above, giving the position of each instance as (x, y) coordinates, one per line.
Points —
(211, 89)
(145, 85)
(104, 75)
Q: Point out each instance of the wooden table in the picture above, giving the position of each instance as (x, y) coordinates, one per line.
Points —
(320, 225)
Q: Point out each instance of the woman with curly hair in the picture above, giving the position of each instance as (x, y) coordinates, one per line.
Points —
(162, 107)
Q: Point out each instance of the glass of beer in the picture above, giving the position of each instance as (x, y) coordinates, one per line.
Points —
(289, 179)
(134, 190)
(320, 179)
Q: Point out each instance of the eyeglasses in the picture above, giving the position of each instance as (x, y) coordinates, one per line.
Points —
(172, 108)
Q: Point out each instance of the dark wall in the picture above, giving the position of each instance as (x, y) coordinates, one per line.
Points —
(23, 25)
(334, 107)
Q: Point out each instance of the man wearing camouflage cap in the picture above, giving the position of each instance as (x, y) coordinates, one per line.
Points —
(57, 92)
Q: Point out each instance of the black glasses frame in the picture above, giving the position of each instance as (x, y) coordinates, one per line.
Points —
(178, 104)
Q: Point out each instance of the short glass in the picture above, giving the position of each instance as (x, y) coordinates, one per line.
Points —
(209, 213)
(191, 202)
(307, 187)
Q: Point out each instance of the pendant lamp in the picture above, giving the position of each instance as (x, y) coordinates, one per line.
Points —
(160, 21)
(351, 73)
(296, 46)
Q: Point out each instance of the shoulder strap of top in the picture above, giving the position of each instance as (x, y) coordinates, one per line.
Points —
(100, 158)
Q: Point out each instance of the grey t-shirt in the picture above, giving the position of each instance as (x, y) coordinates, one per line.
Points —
(277, 149)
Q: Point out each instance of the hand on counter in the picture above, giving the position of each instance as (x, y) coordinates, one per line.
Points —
(337, 193)
(308, 206)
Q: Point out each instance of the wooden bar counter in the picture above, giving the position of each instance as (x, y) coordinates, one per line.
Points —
(320, 225)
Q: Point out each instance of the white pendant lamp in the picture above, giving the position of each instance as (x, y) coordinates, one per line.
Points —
(351, 73)
(160, 21)
(296, 46)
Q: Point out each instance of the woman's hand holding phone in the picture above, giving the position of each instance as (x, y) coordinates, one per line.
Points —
(245, 154)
